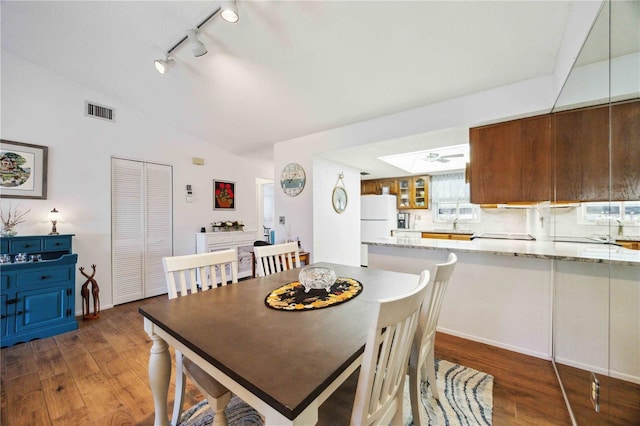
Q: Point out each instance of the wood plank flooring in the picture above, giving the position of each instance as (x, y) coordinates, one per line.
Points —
(97, 375)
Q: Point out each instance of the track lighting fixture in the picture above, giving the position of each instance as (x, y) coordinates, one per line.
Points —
(228, 11)
(197, 47)
(164, 65)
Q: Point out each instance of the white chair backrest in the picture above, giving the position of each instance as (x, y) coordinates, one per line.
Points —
(276, 258)
(380, 388)
(431, 308)
(181, 276)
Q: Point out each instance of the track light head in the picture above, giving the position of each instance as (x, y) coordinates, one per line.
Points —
(164, 65)
(197, 47)
(229, 11)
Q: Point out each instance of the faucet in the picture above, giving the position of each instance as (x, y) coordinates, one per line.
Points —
(455, 224)
(620, 227)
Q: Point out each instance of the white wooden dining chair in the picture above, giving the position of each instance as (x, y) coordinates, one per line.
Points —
(276, 258)
(422, 362)
(380, 389)
(182, 274)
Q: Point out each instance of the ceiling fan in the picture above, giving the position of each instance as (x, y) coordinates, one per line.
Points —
(434, 156)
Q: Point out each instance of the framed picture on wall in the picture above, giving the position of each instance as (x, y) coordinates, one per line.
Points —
(224, 195)
(23, 170)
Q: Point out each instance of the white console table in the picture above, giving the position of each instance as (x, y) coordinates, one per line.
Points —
(241, 241)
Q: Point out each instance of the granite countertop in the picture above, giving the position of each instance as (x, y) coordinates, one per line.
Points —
(594, 253)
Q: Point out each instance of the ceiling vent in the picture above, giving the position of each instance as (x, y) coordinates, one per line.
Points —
(99, 111)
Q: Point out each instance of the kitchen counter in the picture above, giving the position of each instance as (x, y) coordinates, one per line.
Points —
(593, 253)
(436, 231)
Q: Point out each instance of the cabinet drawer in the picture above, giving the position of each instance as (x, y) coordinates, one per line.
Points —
(219, 239)
(4, 246)
(26, 245)
(43, 276)
(57, 244)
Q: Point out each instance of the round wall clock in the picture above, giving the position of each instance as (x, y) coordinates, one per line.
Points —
(339, 199)
(292, 179)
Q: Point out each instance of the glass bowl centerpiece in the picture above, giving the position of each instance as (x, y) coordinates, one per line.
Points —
(317, 277)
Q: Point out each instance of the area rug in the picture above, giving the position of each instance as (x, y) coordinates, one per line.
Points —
(466, 398)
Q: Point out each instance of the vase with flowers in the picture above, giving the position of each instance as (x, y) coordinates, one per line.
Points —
(13, 218)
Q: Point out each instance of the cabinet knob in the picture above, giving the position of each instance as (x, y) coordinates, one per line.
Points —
(26, 245)
(3, 316)
(44, 277)
(19, 313)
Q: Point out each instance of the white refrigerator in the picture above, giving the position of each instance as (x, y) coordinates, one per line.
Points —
(378, 216)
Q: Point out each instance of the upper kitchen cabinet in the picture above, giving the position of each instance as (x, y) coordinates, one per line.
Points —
(368, 187)
(511, 161)
(413, 192)
(625, 151)
(375, 186)
(583, 153)
(581, 140)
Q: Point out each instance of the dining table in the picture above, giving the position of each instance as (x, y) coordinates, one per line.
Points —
(284, 364)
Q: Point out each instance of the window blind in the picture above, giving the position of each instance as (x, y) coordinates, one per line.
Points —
(449, 188)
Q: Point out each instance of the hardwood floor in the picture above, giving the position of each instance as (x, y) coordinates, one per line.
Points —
(97, 375)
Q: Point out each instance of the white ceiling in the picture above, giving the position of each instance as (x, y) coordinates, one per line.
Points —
(287, 68)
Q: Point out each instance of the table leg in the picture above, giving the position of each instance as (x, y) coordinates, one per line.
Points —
(159, 376)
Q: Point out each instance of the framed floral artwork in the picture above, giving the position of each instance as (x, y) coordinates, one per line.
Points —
(23, 170)
(224, 195)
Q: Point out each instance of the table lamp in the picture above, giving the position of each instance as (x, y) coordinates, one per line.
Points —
(54, 217)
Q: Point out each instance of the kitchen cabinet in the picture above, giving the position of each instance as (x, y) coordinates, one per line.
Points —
(241, 241)
(625, 151)
(413, 192)
(511, 161)
(374, 186)
(630, 244)
(564, 156)
(445, 236)
(38, 298)
(581, 139)
(583, 153)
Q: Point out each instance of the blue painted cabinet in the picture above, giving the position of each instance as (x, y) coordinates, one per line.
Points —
(37, 299)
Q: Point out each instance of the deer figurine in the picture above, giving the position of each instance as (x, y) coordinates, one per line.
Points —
(95, 292)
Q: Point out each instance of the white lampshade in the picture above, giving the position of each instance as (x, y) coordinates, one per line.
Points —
(230, 11)
(164, 65)
(54, 216)
(197, 47)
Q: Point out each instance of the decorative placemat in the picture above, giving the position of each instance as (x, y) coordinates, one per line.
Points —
(291, 296)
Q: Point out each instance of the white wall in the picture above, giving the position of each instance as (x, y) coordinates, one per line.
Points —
(330, 245)
(42, 108)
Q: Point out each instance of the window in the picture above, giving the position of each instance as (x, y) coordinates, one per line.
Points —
(450, 199)
(623, 211)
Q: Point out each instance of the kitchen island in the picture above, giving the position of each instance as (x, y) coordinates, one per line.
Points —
(581, 301)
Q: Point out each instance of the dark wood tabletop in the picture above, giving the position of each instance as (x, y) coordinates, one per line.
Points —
(286, 358)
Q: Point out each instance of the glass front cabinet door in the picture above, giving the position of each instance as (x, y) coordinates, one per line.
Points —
(420, 193)
(404, 193)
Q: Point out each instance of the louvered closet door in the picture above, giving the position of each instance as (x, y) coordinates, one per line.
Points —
(158, 227)
(141, 228)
